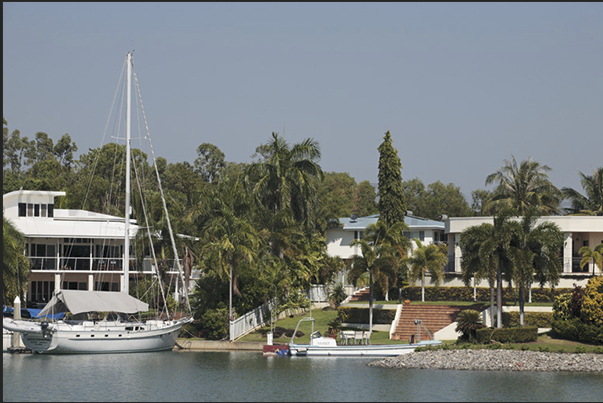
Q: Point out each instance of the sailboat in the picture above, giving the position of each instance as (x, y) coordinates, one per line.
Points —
(120, 331)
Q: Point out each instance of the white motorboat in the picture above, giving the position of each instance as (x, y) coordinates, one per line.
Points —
(119, 331)
(327, 346)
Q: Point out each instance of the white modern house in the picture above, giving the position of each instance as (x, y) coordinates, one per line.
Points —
(339, 239)
(71, 249)
(578, 231)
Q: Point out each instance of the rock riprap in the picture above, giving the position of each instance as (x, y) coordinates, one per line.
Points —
(494, 360)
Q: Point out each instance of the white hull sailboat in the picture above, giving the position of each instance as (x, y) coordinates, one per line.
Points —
(120, 331)
(110, 335)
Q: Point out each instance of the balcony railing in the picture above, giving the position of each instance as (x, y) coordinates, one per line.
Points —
(576, 265)
(96, 264)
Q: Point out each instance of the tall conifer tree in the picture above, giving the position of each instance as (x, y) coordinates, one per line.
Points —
(391, 201)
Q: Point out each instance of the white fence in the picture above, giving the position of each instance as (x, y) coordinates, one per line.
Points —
(257, 318)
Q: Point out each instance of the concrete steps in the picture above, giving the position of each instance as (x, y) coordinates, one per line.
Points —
(362, 295)
(433, 317)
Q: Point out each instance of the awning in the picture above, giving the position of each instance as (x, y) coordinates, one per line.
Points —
(76, 301)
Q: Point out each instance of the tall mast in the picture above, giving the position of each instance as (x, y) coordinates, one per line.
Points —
(126, 287)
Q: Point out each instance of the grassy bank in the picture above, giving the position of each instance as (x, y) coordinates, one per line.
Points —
(324, 316)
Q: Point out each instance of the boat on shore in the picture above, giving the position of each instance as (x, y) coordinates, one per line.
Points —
(321, 346)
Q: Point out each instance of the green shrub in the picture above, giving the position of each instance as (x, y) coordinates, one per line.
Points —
(577, 330)
(337, 295)
(538, 319)
(523, 334)
(544, 349)
(468, 322)
(592, 302)
(580, 349)
(482, 293)
(215, 323)
(562, 307)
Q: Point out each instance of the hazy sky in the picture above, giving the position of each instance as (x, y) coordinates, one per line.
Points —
(460, 86)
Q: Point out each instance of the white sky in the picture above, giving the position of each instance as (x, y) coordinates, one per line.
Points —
(460, 86)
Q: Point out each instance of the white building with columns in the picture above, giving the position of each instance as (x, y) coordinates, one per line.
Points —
(578, 231)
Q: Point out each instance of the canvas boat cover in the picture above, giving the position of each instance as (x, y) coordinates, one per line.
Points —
(77, 301)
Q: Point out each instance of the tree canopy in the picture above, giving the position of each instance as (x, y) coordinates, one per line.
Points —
(392, 208)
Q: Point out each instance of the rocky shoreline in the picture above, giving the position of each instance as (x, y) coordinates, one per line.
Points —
(495, 360)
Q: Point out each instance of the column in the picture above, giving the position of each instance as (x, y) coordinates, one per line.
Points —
(90, 282)
(57, 282)
(458, 254)
(567, 252)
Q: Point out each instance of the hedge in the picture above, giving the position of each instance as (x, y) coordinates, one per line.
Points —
(576, 330)
(413, 293)
(524, 334)
(348, 314)
(538, 319)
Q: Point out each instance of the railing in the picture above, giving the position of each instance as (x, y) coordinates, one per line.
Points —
(450, 266)
(251, 320)
(96, 264)
(319, 293)
(261, 315)
(576, 265)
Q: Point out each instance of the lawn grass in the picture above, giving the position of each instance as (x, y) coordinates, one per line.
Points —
(323, 316)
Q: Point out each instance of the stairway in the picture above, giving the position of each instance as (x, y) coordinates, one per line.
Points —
(362, 295)
(434, 317)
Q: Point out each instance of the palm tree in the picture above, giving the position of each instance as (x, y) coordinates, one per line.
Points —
(15, 266)
(535, 252)
(390, 239)
(596, 255)
(486, 254)
(469, 322)
(285, 178)
(230, 239)
(592, 203)
(470, 242)
(522, 186)
(377, 260)
(425, 259)
(275, 272)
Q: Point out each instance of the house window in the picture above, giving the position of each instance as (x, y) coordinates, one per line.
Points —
(422, 236)
(36, 210)
(584, 243)
(22, 209)
(51, 210)
(30, 209)
(43, 210)
(41, 291)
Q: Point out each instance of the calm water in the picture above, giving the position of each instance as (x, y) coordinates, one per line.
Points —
(248, 376)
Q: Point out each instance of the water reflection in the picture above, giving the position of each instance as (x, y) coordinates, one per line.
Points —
(248, 376)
